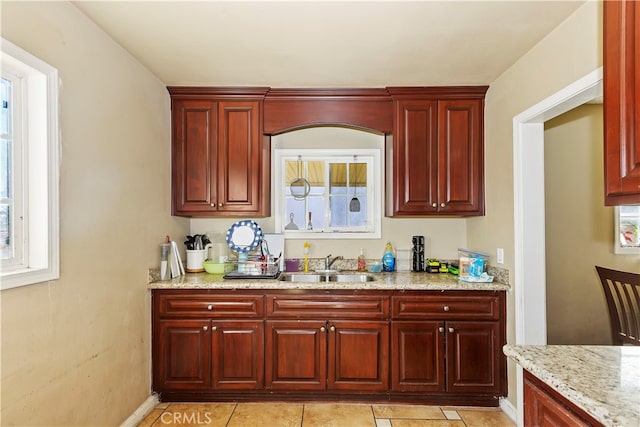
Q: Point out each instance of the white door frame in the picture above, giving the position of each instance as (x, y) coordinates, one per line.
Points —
(529, 210)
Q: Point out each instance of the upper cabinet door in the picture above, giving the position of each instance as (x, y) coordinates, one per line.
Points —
(622, 102)
(415, 158)
(220, 161)
(460, 157)
(240, 156)
(438, 151)
(194, 156)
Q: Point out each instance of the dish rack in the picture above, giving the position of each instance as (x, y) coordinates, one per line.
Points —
(254, 267)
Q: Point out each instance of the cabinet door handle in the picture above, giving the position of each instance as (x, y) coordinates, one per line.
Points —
(450, 330)
(442, 205)
(435, 205)
(213, 205)
(322, 329)
(332, 328)
(214, 328)
(210, 307)
(204, 328)
(220, 204)
(445, 308)
(440, 329)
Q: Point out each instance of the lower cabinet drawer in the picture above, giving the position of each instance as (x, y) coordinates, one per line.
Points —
(328, 307)
(214, 306)
(440, 307)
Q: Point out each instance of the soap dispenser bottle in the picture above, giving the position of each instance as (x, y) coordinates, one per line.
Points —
(388, 258)
(362, 262)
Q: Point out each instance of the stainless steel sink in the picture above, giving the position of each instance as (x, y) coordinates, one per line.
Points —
(318, 278)
(352, 278)
(306, 278)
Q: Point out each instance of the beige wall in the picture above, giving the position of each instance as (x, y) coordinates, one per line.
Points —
(579, 229)
(568, 53)
(76, 351)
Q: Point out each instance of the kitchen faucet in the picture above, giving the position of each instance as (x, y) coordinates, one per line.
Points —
(328, 262)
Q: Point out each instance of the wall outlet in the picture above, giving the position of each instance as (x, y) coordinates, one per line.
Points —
(500, 256)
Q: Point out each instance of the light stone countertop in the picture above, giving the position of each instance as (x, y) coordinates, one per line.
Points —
(604, 381)
(384, 281)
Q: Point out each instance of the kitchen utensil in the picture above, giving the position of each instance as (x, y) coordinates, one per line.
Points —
(299, 186)
(292, 225)
(354, 204)
(195, 258)
(165, 273)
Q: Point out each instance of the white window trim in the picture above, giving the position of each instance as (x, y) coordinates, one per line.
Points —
(41, 139)
(283, 154)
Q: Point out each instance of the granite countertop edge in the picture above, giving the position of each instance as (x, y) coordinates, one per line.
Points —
(551, 364)
(384, 281)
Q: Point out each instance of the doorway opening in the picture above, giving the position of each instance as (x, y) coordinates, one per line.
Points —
(529, 210)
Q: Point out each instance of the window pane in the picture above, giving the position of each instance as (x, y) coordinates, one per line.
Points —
(315, 205)
(338, 211)
(359, 219)
(5, 169)
(6, 249)
(5, 114)
(294, 215)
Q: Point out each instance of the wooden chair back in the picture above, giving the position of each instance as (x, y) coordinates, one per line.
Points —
(622, 291)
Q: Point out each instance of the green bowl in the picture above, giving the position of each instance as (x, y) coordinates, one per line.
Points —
(214, 267)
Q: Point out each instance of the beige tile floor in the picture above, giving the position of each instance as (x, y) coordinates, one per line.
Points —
(278, 414)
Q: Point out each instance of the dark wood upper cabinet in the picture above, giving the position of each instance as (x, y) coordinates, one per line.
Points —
(220, 164)
(221, 144)
(289, 109)
(622, 102)
(438, 152)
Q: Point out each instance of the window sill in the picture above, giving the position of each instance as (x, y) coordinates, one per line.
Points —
(26, 276)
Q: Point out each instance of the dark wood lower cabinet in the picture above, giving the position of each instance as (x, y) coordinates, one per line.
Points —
(441, 347)
(182, 355)
(237, 355)
(472, 365)
(358, 356)
(296, 355)
(544, 407)
(418, 352)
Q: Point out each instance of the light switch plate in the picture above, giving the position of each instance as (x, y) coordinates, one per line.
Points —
(500, 256)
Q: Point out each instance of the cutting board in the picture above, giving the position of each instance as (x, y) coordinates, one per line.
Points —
(275, 241)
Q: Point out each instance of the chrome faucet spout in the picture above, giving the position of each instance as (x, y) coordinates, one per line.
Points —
(328, 262)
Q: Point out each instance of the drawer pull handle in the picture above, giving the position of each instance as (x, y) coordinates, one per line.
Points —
(333, 328)
(204, 328)
(446, 308)
(210, 307)
(450, 330)
(322, 329)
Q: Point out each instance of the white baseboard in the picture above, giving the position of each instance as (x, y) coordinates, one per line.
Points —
(143, 410)
(508, 409)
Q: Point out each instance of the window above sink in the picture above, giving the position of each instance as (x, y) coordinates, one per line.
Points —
(328, 192)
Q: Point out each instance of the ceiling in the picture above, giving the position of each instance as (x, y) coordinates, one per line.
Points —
(327, 43)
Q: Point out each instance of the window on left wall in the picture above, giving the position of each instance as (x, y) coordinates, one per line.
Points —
(29, 169)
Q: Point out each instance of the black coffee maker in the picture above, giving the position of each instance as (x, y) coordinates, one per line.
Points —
(418, 253)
